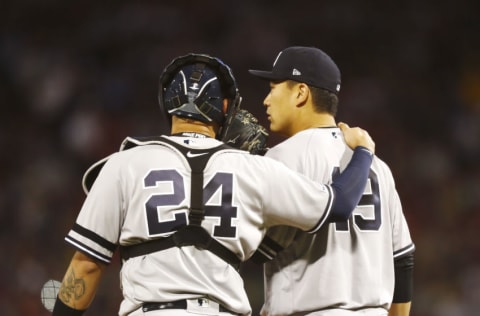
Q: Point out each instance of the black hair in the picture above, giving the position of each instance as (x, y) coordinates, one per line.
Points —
(324, 100)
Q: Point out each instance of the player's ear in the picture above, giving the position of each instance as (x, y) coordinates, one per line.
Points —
(302, 92)
(225, 106)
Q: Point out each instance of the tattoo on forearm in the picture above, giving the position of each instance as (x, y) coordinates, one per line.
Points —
(72, 288)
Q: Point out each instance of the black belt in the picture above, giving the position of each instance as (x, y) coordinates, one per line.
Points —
(181, 304)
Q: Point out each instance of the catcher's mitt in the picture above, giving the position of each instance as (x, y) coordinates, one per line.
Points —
(244, 132)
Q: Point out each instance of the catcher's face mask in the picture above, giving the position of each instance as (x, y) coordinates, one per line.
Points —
(194, 86)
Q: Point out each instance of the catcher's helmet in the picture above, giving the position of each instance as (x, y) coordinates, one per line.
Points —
(195, 85)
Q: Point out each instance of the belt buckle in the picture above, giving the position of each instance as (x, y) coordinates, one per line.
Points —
(203, 306)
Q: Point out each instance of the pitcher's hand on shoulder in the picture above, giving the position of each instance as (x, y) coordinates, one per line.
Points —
(356, 136)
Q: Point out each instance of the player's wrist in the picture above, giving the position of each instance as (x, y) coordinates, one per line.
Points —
(367, 145)
(61, 309)
(364, 149)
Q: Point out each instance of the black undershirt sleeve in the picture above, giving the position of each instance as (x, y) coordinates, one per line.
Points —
(61, 309)
(403, 279)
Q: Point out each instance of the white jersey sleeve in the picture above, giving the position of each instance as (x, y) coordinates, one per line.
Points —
(401, 240)
(96, 232)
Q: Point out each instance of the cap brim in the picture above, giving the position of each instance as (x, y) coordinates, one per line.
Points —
(265, 75)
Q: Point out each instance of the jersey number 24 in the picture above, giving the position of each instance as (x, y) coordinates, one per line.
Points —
(175, 196)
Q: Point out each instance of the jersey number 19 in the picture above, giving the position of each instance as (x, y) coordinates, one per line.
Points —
(367, 216)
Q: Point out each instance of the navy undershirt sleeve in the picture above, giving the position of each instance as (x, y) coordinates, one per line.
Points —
(61, 309)
(403, 279)
(349, 185)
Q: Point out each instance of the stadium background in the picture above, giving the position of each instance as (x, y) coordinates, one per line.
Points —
(78, 77)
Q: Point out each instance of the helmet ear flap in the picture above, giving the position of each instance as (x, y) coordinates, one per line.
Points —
(232, 107)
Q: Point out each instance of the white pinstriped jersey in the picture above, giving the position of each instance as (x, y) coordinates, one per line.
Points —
(345, 266)
(144, 192)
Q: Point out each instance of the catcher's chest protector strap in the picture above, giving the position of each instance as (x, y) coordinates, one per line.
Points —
(267, 250)
(192, 234)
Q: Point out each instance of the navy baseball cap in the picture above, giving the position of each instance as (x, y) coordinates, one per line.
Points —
(309, 65)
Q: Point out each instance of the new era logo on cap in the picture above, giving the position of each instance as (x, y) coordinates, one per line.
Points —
(309, 65)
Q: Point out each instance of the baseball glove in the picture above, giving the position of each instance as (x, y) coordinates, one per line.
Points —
(244, 132)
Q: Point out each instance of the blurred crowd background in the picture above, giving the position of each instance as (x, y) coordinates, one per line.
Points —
(77, 77)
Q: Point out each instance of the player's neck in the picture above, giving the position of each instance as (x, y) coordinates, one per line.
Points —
(181, 125)
(314, 121)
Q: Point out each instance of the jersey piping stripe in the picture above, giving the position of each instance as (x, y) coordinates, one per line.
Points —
(404, 251)
(266, 254)
(327, 211)
(88, 250)
(94, 237)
